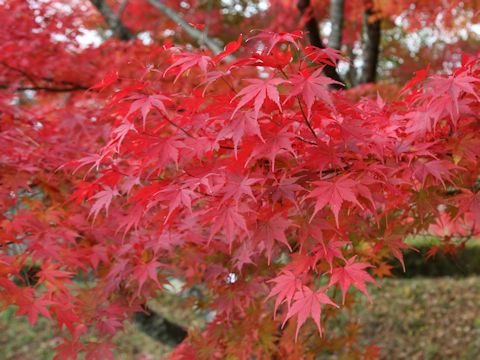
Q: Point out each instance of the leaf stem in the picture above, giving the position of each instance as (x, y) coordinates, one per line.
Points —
(305, 117)
(178, 126)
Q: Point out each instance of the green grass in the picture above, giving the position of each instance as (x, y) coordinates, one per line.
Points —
(422, 241)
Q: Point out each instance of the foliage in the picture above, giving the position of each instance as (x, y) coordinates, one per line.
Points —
(248, 178)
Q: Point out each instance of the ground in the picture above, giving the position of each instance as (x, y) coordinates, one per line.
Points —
(415, 319)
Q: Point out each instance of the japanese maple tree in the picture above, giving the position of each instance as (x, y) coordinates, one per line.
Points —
(248, 172)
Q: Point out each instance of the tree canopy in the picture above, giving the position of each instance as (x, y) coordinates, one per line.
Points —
(272, 155)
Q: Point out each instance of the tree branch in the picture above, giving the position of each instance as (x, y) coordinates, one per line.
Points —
(113, 20)
(121, 9)
(196, 34)
(43, 88)
(36, 85)
(311, 27)
(336, 19)
(371, 47)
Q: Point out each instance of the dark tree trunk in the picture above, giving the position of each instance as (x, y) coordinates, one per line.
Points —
(352, 75)
(113, 20)
(159, 328)
(336, 19)
(314, 37)
(371, 47)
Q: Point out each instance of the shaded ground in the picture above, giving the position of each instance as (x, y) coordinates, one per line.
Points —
(416, 319)
(422, 319)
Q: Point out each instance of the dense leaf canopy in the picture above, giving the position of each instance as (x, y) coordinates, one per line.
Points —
(247, 173)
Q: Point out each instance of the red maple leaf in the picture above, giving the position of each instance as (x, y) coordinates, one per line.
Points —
(211, 77)
(69, 349)
(145, 103)
(108, 80)
(448, 93)
(395, 243)
(243, 123)
(286, 188)
(327, 56)
(333, 193)
(329, 251)
(229, 219)
(51, 276)
(237, 186)
(372, 352)
(274, 38)
(242, 256)
(308, 303)
(186, 60)
(475, 208)
(99, 350)
(275, 58)
(33, 308)
(311, 86)
(102, 200)
(352, 274)
(439, 169)
(286, 286)
(274, 145)
(419, 76)
(272, 229)
(230, 48)
(144, 271)
(258, 91)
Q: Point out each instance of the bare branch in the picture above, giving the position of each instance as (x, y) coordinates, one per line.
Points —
(23, 72)
(56, 86)
(208, 18)
(121, 9)
(113, 20)
(190, 30)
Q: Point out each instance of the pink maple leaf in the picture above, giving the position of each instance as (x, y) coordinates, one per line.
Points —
(102, 200)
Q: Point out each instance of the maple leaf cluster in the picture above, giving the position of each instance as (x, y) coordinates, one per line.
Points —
(251, 178)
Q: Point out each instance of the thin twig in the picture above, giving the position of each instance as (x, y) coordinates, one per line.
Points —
(305, 140)
(178, 126)
(36, 86)
(229, 85)
(23, 72)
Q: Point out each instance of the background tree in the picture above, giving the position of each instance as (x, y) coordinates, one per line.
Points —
(268, 187)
